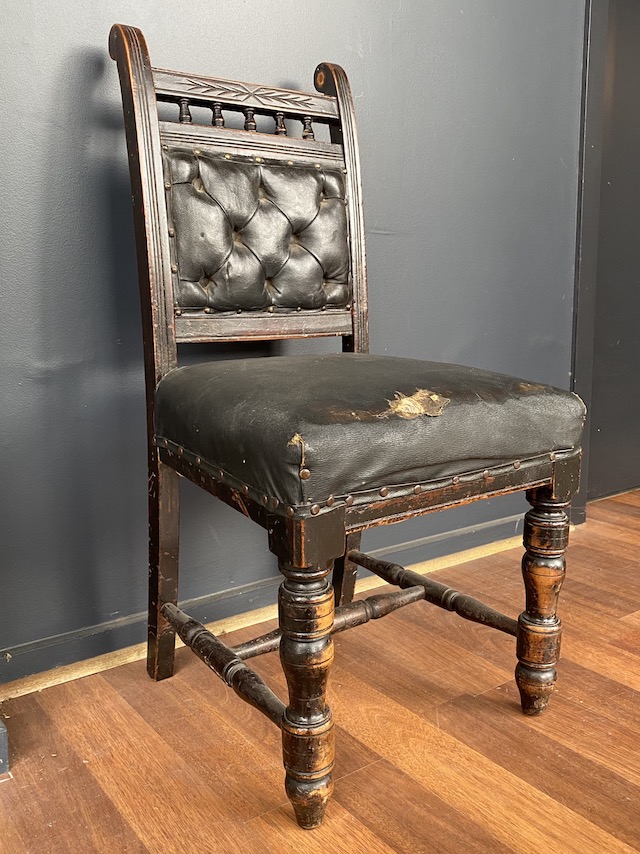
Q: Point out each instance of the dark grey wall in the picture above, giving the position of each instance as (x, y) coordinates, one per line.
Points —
(614, 463)
(469, 124)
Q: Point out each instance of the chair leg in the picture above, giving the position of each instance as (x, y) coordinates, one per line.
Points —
(164, 495)
(345, 572)
(306, 606)
(546, 533)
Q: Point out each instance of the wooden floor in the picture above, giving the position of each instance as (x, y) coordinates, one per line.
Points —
(433, 752)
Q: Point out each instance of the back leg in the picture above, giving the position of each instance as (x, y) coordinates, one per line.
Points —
(164, 503)
(345, 573)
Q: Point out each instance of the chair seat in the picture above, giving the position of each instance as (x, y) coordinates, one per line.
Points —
(300, 429)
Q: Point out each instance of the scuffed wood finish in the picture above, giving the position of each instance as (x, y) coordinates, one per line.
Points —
(306, 606)
(281, 325)
(546, 535)
(225, 663)
(332, 80)
(210, 90)
(345, 573)
(164, 537)
(436, 593)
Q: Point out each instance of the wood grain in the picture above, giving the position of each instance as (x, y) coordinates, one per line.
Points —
(432, 752)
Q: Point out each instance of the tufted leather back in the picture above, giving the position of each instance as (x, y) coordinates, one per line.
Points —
(242, 233)
(255, 236)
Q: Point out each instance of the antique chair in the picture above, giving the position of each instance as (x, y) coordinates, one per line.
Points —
(247, 235)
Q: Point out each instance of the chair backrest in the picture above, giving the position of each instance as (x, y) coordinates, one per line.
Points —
(242, 234)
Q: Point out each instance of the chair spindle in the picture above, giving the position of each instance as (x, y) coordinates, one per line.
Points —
(281, 128)
(218, 118)
(307, 130)
(185, 112)
(250, 122)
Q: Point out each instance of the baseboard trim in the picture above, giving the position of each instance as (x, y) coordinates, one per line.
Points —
(60, 658)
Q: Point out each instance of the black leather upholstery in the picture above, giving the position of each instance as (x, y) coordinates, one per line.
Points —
(303, 428)
(249, 235)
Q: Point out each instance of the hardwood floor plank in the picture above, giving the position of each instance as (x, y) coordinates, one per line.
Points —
(584, 785)
(340, 833)
(160, 796)
(507, 807)
(396, 807)
(55, 803)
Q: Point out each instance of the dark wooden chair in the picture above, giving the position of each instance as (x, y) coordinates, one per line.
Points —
(247, 235)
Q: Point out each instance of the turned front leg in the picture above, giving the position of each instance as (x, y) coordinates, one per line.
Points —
(546, 534)
(306, 605)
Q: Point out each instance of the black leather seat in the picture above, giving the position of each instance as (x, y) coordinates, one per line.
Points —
(314, 429)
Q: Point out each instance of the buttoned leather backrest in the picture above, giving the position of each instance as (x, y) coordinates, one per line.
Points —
(255, 234)
(247, 230)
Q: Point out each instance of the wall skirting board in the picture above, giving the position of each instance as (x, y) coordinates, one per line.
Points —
(252, 600)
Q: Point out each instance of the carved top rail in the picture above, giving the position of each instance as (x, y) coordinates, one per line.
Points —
(205, 91)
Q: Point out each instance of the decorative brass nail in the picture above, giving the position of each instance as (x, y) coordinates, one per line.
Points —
(290, 511)
(208, 310)
(417, 489)
(167, 185)
(221, 475)
(275, 503)
(174, 268)
(552, 456)
(180, 451)
(485, 474)
(330, 501)
(455, 479)
(315, 509)
(305, 474)
(198, 461)
(384, 491)
(517, 464)
(265, 500)
(172, 232)
(349, 500)
(177, 312)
